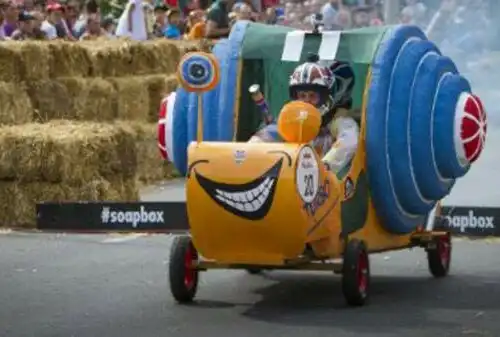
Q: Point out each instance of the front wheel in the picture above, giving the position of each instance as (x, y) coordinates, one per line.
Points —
(183, 275)
(439, 256)
(356, 273)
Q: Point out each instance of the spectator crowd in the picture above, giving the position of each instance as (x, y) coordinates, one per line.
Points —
(193, 19)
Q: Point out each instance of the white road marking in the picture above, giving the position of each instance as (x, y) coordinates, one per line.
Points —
(123, 238)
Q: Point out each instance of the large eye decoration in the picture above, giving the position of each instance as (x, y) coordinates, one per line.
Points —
(198, 72)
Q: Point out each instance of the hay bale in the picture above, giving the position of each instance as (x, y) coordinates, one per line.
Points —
(158, 87)
(74, 98)
(10, 67)
(153, 57)
(50, 100)
(34, 59)
(63, 151)
(122, 57)
(110, 59)
(151, 167)
(131, 99)
(69, 59)
(92, 98)
(25, 196)
(15, 104)
(147, 58)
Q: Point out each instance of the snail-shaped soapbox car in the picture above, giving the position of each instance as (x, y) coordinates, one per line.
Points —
(265, 206)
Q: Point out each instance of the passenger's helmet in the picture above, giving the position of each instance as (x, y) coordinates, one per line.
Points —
(311, 76)
(343, 85)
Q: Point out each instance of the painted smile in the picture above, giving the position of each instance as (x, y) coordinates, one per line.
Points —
(251, 200)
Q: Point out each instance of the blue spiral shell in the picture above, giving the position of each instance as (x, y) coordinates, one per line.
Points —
(411, 157)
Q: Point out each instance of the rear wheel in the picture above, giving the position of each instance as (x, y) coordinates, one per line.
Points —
(183, 276)
(356, 273)
(439, 256)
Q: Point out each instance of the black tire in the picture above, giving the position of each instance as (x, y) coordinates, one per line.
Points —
(356, 273)
(439, 256)
(183, 279)
(254, 271)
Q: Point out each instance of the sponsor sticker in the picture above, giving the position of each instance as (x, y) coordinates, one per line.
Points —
(463, 223)
(239, 156)
(319, 200)
(307, 175)
(110, 216)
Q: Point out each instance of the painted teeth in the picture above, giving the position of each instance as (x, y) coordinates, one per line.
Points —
(247, 201)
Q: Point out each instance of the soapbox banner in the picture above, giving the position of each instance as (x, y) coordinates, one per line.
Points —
(471, 221)
(112, 216)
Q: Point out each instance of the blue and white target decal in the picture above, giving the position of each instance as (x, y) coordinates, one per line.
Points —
(415, 99)
(198, 72)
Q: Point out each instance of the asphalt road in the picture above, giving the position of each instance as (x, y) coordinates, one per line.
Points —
(116, 286)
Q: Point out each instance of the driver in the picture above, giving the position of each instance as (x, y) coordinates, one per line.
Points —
(329, 89)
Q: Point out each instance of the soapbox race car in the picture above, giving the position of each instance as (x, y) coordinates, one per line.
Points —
(268, 206)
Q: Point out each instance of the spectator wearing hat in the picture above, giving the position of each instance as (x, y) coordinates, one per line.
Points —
(172, 30)
(25, 27)
(54, 15)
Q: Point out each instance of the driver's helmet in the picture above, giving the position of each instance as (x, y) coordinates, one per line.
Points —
(313, 77)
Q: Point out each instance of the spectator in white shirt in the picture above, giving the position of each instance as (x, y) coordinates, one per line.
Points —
(54, 12)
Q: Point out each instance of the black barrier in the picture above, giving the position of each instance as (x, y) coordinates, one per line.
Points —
(172, 216)
(112, 216)
(471, 221)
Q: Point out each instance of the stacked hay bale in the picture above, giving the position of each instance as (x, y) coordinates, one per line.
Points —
(78, 121)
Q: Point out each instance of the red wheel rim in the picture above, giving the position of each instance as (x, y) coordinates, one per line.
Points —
(362, 273)
(444, 248)
(189, 270)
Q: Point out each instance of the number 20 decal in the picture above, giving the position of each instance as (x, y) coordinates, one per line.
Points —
(309, 184)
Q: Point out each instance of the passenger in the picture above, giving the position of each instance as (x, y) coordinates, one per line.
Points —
(329, 89)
